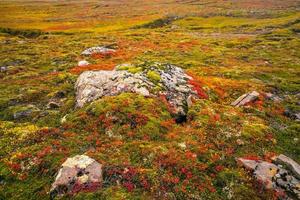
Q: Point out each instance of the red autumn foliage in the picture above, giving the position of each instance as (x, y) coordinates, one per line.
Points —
(102, 66)
(47, 150)
(129, 177)
(198, 88)
(229, 151)
(219, 168)
(269, 156)
(129, 186)
(46, 132)
(252, 157)
(215, 157)
(168, 123)
(190, 155)
(91, 187)
(184, 46)
(22, 156)
(105, 55)
(16, 167)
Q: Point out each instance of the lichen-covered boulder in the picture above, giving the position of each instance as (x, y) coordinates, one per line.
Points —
(275, 176)
(153, 80)
(79, 173)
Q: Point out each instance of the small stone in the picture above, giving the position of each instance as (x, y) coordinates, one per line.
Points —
(53, 105)
(96, 50)
(240, 142)
(297, 116)
(25, 112)
(246, 98)
(272, 97)
(83, 63)
(3, 69)
(182, 145)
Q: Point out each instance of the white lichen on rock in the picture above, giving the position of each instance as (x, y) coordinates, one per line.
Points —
(154, 80)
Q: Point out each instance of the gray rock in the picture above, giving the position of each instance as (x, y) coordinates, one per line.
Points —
(273, 176)
(92, 85)
(246, 98)
(77, 173)
(53, 105)
(273, 97)
(95, 50)
(264, 173)
(249, 164)
(295, 116)
(25, 112)
(3, 69)
(290, 164)
(83, 63)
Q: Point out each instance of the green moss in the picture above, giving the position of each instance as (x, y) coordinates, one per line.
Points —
(254, 130)
(130, 68)
(24, 33)
(153, 76)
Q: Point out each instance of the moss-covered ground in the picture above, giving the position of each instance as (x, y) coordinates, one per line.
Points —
(229, 47)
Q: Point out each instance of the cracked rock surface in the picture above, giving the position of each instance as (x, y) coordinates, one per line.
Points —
(159, 79)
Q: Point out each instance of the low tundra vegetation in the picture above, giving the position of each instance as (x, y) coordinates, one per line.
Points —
(228, 48)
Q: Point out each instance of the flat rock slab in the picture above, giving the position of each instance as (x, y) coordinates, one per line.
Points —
(76, 174)
(172, 81)
(246, 98)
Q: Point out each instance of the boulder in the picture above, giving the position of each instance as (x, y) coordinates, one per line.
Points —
(97, 50)
(171, 81)
(264, 173)
(290, 164)
(79, 173)
(274, 176)
(246, 98)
